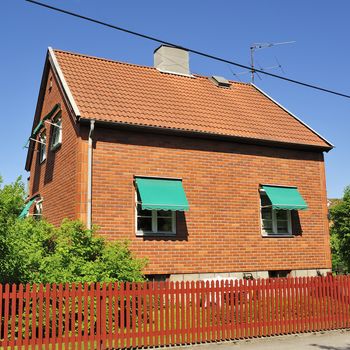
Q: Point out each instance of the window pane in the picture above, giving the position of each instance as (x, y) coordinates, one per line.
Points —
(142, 212)
(281, 215)
(282, 226)
(267, 226)
(165, 213)
(164, 224)
(56, 132)
(266, 213)
(144, 224)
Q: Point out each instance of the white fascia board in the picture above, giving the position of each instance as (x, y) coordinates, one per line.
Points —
(57, 68)
(293, 115)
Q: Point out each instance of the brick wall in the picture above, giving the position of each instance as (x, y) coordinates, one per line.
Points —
(221, 231)
(56, 179)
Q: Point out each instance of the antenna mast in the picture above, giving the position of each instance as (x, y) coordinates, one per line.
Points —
(259, 46)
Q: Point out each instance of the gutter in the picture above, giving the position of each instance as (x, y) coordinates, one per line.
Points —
(204, 135)
(89, 180)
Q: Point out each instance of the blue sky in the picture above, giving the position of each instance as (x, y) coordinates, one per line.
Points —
(224, 28)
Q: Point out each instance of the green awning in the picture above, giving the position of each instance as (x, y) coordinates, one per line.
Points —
(26, 208)
(287, 198)
(161, 194)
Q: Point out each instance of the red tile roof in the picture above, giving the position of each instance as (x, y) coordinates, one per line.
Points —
(125, 93)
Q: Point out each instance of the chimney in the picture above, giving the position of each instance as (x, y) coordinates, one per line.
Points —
(171, 59)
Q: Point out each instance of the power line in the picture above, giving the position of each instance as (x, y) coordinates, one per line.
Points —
(187, 49)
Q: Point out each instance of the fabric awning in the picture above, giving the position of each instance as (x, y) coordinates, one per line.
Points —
(26, 208)
(161, 194)
(287, 198)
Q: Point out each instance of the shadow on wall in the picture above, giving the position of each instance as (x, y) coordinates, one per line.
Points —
(181, 231)
(296, 225)
(153, 139)
(50, 166)
(37, 173)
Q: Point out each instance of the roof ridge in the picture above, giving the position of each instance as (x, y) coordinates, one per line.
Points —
(136, 65)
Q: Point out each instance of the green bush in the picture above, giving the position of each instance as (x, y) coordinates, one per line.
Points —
(37, 252)
(340, 233)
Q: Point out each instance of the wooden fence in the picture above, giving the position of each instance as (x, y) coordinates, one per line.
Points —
(123, 315)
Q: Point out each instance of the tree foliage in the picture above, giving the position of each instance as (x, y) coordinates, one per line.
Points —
(11, 201)
(340, 233)
(37, 252)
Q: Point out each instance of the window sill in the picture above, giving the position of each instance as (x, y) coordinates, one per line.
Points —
(278, 236)
(155, 234)
(42, 161)
(56, 146)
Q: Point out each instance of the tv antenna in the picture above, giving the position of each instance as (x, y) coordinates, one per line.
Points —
(259, 46)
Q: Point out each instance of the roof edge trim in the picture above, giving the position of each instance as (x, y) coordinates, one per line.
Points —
(293, 115)
(56, 66)
(200, 134)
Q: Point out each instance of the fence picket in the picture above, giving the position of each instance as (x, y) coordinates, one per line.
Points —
(13, 304)
(47, 316)
(79, 337)
(20, 316)
(161, 313)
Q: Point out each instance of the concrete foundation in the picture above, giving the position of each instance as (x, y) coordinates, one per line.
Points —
(240, 275)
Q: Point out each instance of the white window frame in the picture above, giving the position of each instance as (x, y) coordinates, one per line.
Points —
(275, 232)
(39, 209)
(56, 124)
(155, 217)
(42, 146)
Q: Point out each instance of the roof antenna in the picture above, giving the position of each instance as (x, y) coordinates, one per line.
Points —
(258, 46)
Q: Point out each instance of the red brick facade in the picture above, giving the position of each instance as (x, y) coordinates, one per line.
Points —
(221, 232)
(56, 179)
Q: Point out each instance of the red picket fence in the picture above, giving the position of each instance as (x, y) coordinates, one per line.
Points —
(123, 315)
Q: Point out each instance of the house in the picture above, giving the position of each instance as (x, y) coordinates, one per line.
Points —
(203, 176)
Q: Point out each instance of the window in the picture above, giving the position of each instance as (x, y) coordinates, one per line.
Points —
(42, 146)
(56, 136)
(274, 221)
(154, 221)
(158, 278)
(279, 273)
(38, 209)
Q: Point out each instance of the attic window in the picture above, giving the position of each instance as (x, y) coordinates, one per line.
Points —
(220, 81)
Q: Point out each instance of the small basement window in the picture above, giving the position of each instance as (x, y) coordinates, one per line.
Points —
(158, 278)
(279, 273)
(274, 221)
(42, 146)
(56, 136)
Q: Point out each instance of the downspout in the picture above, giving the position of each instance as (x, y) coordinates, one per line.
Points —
(89, 179)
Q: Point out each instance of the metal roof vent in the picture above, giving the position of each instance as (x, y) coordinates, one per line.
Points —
(220, 81)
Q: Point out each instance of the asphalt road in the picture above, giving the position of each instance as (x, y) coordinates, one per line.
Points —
(332, 340)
